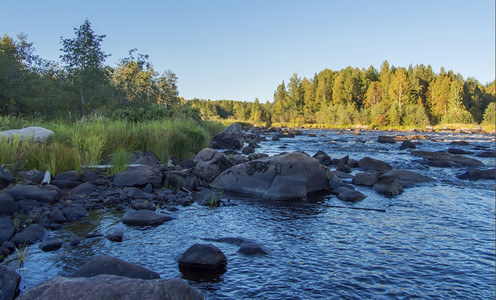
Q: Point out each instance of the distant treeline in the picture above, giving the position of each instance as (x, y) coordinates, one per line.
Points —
(413, 96)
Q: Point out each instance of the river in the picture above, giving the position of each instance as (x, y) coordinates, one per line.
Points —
(436, 240)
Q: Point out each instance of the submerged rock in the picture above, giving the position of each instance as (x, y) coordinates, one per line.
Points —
(251, 248)
(388, 187)
(30, 235)
(290, 176)
(50, 244)
(406, 178)
(346, 194)
(112, 287)
(442, 159)
(103, 264)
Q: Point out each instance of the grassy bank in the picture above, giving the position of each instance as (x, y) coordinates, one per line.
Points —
(89, 141)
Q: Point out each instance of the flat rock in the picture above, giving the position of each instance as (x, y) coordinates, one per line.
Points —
(112, 287)
(139, 177)
(388, 187)
(372, 164)
(33, 192)
(386, 139)
(366, 179)
(83, 189)
(406, 178)
(203, 256)
(346, 194)
(30, 235)
(8, 205)
(445, 159)
(251, 249)
(73, 213)
(9, 283)
(115, 236)
(69, 176)
(50, 244)
(145, 218)
(476, 174)
(103, 264)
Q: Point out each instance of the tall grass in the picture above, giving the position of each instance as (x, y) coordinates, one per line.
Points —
(119, 160)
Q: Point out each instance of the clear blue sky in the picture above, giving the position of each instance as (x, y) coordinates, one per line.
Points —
(241, 50)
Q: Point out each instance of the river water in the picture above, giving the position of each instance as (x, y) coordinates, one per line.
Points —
(436, 240)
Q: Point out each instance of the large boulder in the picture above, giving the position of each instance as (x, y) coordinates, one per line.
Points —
(291, 176)
(145, 217)
(33, 192)
(209, 163)
(323, 158)
(103, 264)
(50, 244)
(111, 287)
(386, 139)
(476, 174)
(30, 235)
(139, 176)
(9, 283)
(388, 187)
(203, 256)
(38, 134)
(230, 138)
(372, 164)
(8, 205)
(74, 212)
(7, 228)
(366, 179)
(406, 178)
(181, 178)
(6, 178)
(442, 159)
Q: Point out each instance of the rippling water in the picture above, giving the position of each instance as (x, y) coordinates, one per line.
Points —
(436, 240)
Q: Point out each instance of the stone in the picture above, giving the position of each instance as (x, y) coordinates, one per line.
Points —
(73, 213)
(248, 150)
(476, 174)
(203, 256)
(147, 158)
(251, 249)
(69, 176)
(346, 194)
(407, 145)
(30, 235)
(458, 151)
(65, 184)
(56, 216)
(112, 287)
(31, 177)
(9, 283)
(204, 197)
(7, 228)
(406, 178)
(83, 189)
(230, 138)
(442, 159)
(181, 179)
(50, 244)
(8, 205)
(103, 264)
(6, 178)
(209, 163)
(290, 176)
(373, 164)
(115, 236)
(486, 154)
(37, 134)
(139, 177)
(145, 218)
(385, 139)
(388, 187)
(366, 179)
(334, 185)
(33, 192)
(323, 158)
(89, 176)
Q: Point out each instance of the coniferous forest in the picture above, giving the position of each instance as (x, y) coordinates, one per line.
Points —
(82, 84)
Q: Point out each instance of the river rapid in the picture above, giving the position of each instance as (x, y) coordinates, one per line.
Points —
(436, 240)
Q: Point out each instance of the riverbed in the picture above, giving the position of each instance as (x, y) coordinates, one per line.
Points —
(436, 240)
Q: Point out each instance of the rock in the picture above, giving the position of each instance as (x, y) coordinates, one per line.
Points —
(209, 163)
(229, 138)
(372, 164)
(8, 206)
(291, 176)
(148, 188)
(50, 244)
(203, 256)
(6, 178)
(486, 154)
(31, 177)
(33, 192)
(112, 287)
(9, 283)
(140, 204)
(73, 213)
(65, 184)
(115, 236)
(458, 151)
(183, 178)
(56, 216)
(38, 134)
(103, 264)
(251, 249)
(388, 187)
(476, 174)
(145, 218)
(385, 139)
(69, 176)
(406, 178)
(341, 175)
(248, 150)
(89, 176)
(343, 167)
(407, 145)
(8, 245)
(334, 185)
(7, 228)
(146, 158)
(30, 235)
(204, 197)
(139, 177)
(366, 179)
(256, 156)
(323, 158)
(460, 143)
(25, 205)
(445, 159)
(346, 194)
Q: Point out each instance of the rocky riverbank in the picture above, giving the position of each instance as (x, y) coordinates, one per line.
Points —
(151, 192)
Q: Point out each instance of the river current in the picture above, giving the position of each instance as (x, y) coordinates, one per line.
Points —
(436, 240)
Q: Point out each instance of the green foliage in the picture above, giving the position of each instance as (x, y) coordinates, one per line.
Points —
(489, 114)
(135, 115)
(11, 150)
(21, 254)
(414, 115)
(457, 116)
(119, 160)
(214, 200)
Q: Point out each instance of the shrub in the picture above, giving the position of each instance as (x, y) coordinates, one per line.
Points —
(119, 160)
(490, 114)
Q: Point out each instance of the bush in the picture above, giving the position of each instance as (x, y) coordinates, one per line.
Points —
(414, 115)
(457, 115)
(490, 114)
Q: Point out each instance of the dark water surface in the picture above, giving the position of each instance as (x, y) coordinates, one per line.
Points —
(436, 240)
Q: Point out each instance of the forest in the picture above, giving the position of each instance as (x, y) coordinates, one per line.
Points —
(81, 84)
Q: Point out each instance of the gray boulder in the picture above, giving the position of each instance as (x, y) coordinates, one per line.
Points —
(346, 194)
(9, 283)
(366, 179)
(33, 192)
(386, 139)
(112, 287)
(145, 217)
(230, 138)
(476, 174)
(406, 178)
(73, 213)
(442, 159)
(69, 176)
(38, 134)
(291, 176)
(50, 244)
(8, 205)
(407, 145)
(203, 256)
(209, 163)
(6, 178)
(388, 187)
(32, 176)
(205, 197)
(83, 189)
(7, 228)
(323, 158)
(30, 235)
(103, 264)
(139, 177)
(115, 236)
(372, 164)
(251, 248)
(182, 178)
